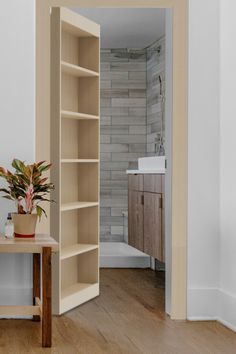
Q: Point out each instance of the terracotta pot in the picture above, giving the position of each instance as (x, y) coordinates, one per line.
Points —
(24, 225)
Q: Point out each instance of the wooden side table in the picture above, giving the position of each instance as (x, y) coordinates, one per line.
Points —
(45, 245)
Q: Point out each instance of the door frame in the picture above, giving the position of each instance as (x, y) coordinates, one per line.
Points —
(178, 261)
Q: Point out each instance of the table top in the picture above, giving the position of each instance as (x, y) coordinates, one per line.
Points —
(27, 245)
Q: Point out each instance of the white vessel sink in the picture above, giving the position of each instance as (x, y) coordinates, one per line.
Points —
(151, 163)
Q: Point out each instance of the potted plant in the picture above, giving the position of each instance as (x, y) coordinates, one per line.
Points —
(28, 189)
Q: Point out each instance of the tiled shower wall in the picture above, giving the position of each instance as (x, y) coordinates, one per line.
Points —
(155, 68)
(123, 129)
(123, 132)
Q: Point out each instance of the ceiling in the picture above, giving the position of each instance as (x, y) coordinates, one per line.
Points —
(127, 28)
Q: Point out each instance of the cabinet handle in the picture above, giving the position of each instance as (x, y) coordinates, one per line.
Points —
(161, 203)
(142, 199)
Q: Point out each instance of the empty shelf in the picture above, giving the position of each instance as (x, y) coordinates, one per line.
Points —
(77, 294)
(77, 115)
(79, 160)
(77, 205)
(77, 70)
(74, 250)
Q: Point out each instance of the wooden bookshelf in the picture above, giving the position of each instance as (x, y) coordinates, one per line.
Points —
(75, 60)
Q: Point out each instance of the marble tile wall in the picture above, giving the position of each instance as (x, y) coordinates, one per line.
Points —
(123, 132)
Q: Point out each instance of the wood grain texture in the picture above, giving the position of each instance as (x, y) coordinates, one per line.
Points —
(126, 319)
(27, 245)
(135, 219)
(153, 183)
(136, 182)
(47, 298)
(152, 225)
(36, 281)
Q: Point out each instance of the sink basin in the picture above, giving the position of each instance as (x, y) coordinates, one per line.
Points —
(151, 163)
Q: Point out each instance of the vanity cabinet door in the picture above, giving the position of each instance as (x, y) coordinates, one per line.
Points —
(153, 183)
(153, 225)
(136, 182)
(136, 219)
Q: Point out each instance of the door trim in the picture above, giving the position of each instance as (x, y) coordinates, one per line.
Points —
(179, 122)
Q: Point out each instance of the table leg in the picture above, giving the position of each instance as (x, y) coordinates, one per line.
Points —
(36, 281)
(47, 298)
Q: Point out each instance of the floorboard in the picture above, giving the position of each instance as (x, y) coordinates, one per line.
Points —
(128, 317)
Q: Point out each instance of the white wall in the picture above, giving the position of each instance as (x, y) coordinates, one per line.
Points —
(17, 118)
(227, 294)
(203, 159)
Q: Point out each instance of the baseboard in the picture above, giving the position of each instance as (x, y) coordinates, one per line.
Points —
(212, 304)
(227, 309)
(202, 304)
(15, 296)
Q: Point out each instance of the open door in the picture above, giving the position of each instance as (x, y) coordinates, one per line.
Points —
(75, 66)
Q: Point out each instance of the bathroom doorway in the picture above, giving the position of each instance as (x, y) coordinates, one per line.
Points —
(177, 245)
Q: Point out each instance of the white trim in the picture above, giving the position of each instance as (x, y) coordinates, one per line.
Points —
(212, 304)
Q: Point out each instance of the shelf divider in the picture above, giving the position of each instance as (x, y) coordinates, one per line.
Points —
(74, 250)
(77, 71)
(78, 115)
(77, 205)
(79, 160)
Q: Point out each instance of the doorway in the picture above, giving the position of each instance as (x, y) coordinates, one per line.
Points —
(177, 247)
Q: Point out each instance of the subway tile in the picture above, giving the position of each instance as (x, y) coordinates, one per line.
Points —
(111, 57)
(119, 175)
(111, 220)
(115, 111)
(112, 238)
(105, 211)
(125, 156)
(105, 156)
(114, 147)
(105, 102)
(117, 230)
(137, 93)
(137, 129)
(138, 75)
(137, 112)
(141, 148)
(120, 139)
(111, 93)
(129, 120)
(128, 102)
(105, 175)
(118, 193)
(129, 84)
(117, 211)
(114, 184)
(105, 139)
(105, 120)
(114, 166)
(113, 130)
(114, 202)
(129, 66)
(105, 230)
(114, 75)
(105, 66)
(105, 84)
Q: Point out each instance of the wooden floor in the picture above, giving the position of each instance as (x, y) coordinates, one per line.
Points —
(128, 317)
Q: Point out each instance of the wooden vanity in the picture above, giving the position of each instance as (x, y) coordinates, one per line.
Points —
(146, 214)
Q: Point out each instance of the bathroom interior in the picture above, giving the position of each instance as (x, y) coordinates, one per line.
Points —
(131, 155)
(132, 121)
